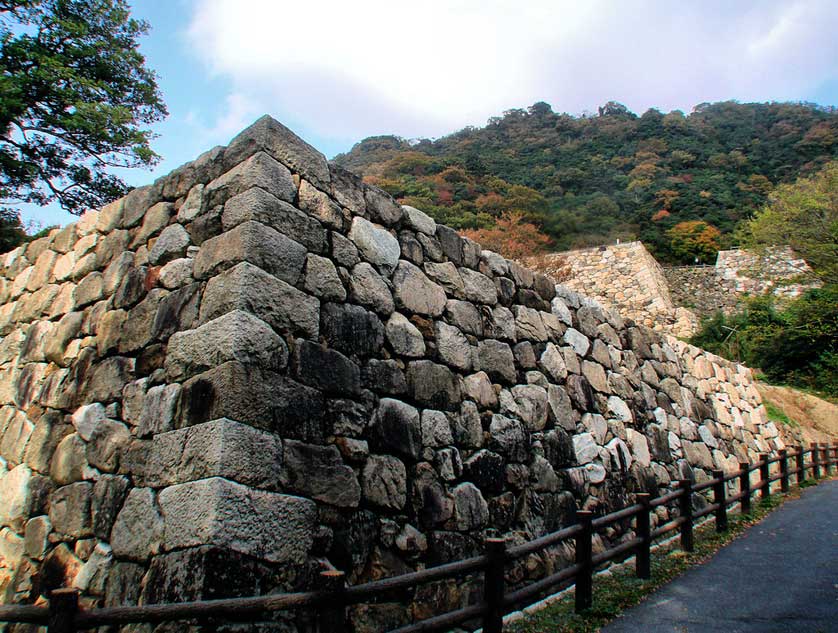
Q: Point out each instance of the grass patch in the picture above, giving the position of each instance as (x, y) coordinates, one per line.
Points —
(620, 590)
(776, 414)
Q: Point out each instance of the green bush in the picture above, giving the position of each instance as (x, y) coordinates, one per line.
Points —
(796, 343)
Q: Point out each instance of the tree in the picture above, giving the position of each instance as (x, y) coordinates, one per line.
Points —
(694, 240)
(803, 215)
(11, 230)
(511, 236)
(75, 95)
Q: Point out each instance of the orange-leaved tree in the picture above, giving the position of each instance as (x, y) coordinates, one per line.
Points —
(694, 240)
(511, 236)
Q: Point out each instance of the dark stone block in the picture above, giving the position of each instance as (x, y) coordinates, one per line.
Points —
(108, 495)
(506, 290)
(451, 242)
(434, 386)
(326, 369)
(532, 299)
(318, 472)
(353, 543)
(132, 288)
(431, 504)
(385, 376)
(204, 573)
(486, 470)
(351, 329)
(580, 392)
(558, 448)
(444, 547)
(150, 359)
(411, 248)
(545, 287)
(263, 399)
(502, 511)
(177, 311)
(395, 428)
(205, 226)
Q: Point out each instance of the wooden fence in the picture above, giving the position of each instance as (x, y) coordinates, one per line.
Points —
(63, 614)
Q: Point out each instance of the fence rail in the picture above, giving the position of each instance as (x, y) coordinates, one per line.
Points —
(63, 614)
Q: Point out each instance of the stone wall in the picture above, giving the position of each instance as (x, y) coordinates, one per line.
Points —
(623, 277)
(700, 289)
(259, 367)
(778, 270)
(737, 274)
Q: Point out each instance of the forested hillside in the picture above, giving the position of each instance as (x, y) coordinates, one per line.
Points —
(681, 183)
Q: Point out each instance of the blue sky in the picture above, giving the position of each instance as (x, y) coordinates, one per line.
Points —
(336, 72)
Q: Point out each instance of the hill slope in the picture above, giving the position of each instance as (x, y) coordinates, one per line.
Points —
(588, 180)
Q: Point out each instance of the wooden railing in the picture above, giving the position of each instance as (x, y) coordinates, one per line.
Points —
(63, 614)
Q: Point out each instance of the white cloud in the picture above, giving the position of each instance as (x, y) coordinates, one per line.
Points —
(351, 69)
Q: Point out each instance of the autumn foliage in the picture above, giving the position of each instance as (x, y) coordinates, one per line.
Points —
(511, 236)
(694, 239)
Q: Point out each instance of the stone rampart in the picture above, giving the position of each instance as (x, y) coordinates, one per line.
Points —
(260, 366)
(623, 277)
(738, 274)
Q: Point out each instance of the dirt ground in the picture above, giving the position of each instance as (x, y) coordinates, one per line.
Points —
(818, 418)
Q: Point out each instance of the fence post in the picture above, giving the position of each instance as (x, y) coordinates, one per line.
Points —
(63, 606)
(784, 470)
(584, 558)
(816, 468)
(493, 585)
(801, 465)
(764, 474)
(720, 498)
(332, 616)
(687, 543)
(643, 563)
(745, 486)
(827, 461)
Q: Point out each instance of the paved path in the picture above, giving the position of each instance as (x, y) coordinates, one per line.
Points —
(780, 575)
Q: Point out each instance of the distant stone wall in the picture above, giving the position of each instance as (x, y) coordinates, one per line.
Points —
(623, 277)
(700, 289)
(737, 274)
(778, 270)
(260, 366)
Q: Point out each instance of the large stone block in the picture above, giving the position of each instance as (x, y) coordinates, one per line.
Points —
(138, 531)
(159, 409)
(434, 385)
(351, 329)
(416, 293)
(256, 243)
(260, 170)
(326, 369)
(220, 448)
(17, 492)
(249, 288)
(237, 335)
(197, 573)
(384, 482)
(269, 135)
(266, 525)
(69, 510)
(318, 472)
(257, 397)
(377, 245)
(257, 204)
(396, 427)
(497, 360)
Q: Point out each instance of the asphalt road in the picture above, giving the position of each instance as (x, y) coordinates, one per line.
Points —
(780, 575)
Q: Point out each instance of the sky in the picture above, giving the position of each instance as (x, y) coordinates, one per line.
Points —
(336, 72)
